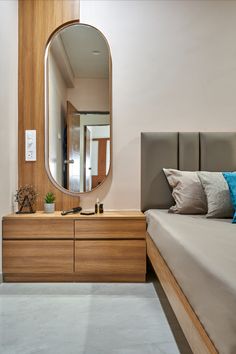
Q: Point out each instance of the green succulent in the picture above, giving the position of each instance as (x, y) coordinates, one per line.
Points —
(49, 198)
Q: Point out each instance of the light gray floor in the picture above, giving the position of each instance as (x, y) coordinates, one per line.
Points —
(78, 318)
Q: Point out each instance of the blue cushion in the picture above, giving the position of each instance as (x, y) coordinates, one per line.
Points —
(234, 218)
(231, 180)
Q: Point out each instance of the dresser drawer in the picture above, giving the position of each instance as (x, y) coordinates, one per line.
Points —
(110, 229)
(38, 229)
(110, 257)
(38, 256)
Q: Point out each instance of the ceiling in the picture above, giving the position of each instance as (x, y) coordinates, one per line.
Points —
(87, 51)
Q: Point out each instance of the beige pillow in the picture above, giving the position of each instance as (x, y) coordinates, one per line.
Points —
(187, 192)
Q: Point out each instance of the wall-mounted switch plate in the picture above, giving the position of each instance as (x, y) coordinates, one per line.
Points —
(30, 145)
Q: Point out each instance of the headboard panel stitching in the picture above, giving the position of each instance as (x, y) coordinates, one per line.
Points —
(188, 150)
(178, 152)
(199, 147)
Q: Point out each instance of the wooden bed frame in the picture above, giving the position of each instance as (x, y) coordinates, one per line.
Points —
(186, 151)
(193, 329)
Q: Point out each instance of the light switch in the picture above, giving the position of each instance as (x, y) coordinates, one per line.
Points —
(30, 145)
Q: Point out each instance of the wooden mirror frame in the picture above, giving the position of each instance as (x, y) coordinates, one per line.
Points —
(46, 108)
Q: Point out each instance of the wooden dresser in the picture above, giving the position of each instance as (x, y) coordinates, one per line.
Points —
(51, 247)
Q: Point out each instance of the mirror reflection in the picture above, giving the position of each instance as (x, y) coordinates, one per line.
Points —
(78, 108)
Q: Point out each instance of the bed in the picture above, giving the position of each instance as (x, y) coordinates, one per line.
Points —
(199, 280)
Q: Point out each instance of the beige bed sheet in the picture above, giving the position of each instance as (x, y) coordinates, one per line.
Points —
(201, 253)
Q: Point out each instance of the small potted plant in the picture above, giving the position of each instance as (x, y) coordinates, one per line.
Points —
(49, 203)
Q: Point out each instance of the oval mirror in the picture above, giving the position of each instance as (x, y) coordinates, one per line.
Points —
(77, 108)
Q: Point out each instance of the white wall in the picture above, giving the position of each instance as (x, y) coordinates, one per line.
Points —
(90, 95)
(8, 106)
(98, 132)
(174, 69)
(88, 119)
(57, 115)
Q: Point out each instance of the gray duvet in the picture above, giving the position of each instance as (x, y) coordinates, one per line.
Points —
(201, 253)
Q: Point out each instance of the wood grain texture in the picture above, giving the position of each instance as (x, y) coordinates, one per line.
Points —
(37, 20)
(194, 331)
(102, 158)
(35, 229)
(74, 277)
(33, 249)
(38, 256)
(107, 215)
(110, 257)
(110, 229)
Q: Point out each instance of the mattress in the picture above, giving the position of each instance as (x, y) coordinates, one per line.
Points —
(201, 253)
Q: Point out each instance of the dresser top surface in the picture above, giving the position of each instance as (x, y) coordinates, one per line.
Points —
(117, 214)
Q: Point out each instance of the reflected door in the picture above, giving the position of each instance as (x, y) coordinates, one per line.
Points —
(72, 161)
(87, 159)
(102, 161)
(77, 69)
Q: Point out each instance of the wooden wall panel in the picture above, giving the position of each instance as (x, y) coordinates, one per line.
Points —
(37, 20)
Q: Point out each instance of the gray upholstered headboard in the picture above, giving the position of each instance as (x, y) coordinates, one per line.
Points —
(183, 151)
